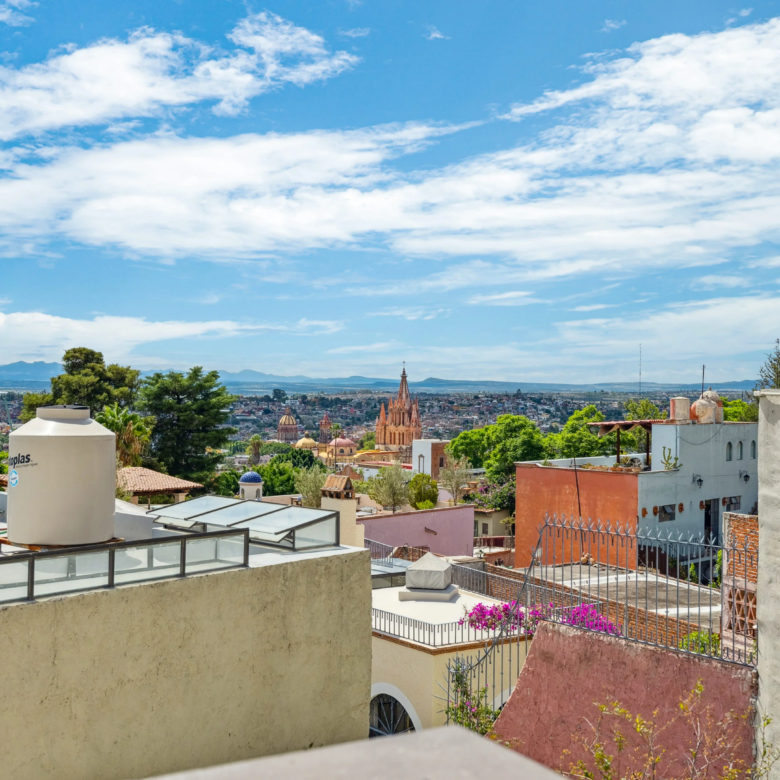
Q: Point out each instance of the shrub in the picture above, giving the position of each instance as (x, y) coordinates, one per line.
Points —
(423, 490)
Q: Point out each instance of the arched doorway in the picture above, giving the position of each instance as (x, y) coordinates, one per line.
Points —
(388, 716)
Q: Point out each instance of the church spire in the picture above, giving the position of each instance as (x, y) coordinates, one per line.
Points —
(403, 390)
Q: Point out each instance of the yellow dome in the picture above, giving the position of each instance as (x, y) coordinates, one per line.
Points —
(287, 418)
(305, 444)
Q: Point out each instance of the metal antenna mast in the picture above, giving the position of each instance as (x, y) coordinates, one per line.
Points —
(640, 370)
(702, 379)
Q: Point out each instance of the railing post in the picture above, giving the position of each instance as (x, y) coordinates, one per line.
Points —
(111, 566)
(246, 547)
(30, 579)
(183, 557)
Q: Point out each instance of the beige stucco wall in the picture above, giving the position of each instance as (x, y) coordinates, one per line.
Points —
(421, 674)
(351, 532)
(155, 678)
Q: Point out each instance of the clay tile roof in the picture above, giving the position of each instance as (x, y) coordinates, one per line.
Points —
(335, 482)
(135, 479)
(4, 480)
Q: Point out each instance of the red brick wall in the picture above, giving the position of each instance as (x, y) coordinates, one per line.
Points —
(741, 532)
(604, 496)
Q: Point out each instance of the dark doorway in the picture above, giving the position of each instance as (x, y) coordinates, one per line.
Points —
(712, 520)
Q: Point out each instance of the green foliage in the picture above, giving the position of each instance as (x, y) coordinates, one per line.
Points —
(670, 463)
(702, 642)
(190, 415)
(426, 505)
(454, 476)
(495, 496)
(309, 482)
(226, 483)
(423, 490)
(644, 409)
(275, 448)
(301, 459)
(468, 708)
(718, 571)
(389, 487)
(368, 442)
(472, 446)
(769, 373)
(133, 432)
(739, 411)
(87, 381)
(278, 478)
(577, 440)
(279, 395)
(3, 464)
(253, 447)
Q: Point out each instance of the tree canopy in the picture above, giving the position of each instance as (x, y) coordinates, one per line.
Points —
(389, 487)
(191, 412)
(87, 381)
(133, 432)
(278, 478)
(423, 490)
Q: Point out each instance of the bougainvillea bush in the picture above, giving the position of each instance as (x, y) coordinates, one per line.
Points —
(493, 617)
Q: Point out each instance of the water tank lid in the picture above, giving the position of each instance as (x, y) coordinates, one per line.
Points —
(63, 406)
(63, 412)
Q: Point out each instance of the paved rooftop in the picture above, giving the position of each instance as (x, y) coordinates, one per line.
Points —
(428, 611)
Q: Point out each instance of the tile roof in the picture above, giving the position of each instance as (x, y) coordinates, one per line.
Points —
(135, 479)
(335, 482)
(4, 480)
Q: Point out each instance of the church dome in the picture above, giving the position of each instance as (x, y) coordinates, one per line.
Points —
(305, 444)
(251, 477)
(287, 419)
(342, 443)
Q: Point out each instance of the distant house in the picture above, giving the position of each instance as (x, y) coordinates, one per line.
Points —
(145, 483)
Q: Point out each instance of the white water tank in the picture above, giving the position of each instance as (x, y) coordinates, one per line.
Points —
(680, 410)
(61, 479)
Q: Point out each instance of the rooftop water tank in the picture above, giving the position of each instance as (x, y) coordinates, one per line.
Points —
(61, 479)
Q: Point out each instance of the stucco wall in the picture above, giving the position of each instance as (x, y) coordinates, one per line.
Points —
(568, 669)
(604, 496)
(768, 593)
(420, 673)
(450, 529)
(161, 677)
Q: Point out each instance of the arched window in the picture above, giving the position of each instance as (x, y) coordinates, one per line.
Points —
(739, 450)
(729, 451)
(341, 451)
(752, 450)
(387, 717)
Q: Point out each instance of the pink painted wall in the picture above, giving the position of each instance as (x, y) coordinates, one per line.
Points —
(568, 669)
(452, 527)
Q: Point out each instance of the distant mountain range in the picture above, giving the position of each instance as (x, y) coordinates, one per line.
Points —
(34, 375)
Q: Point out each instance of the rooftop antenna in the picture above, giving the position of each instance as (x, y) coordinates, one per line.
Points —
(640, 370)
(702, 380)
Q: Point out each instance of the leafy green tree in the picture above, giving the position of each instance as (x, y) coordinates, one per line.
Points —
(576, 439)
(389, 487)
(279, 395)
(513, 438)
(739, 411)
(301, 459)
(309, 482)
(253, 448)
(275, 448)
(426, 505)
(226, 483)
(368, 442)
(423, 490)
(769, 373)
(133, 432)
(3, 464)
(278, 478)
(191, 412)
(454, 476)
(643, 409)
(87, 381)
(472, 445)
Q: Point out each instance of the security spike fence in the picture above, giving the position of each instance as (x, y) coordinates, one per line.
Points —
(687, 594)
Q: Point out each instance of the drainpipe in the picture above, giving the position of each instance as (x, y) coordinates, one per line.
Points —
(768, 591)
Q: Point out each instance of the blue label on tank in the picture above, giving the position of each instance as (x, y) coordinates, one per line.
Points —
(13, 478)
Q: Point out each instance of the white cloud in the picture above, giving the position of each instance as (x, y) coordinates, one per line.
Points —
(24, 333)
(709, 281)
(613, 24)
(379, 346)
(435, 34)
(357, 32)
(513, 298)
(151, 71)
(670, 159)
(595, 307)
(746, 12)
(11, 13)
(411, 313)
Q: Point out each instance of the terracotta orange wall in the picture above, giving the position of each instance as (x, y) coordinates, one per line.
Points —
(568, 669)
(604, 496)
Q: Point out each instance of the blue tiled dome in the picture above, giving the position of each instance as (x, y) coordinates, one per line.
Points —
(250, 477)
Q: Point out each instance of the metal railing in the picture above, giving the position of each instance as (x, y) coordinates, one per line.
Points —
(381, 554)
(502, 542)
(25, 576)
(686, 594)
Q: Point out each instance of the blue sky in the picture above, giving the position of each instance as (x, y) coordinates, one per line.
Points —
(501, 190)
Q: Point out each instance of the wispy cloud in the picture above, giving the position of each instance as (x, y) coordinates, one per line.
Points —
(613, 24)
(411, 313)
(710, 281)
(11, 13)
(513, 298)
(379, 346)
(356, 32)
(594, 307)
(435, 34)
